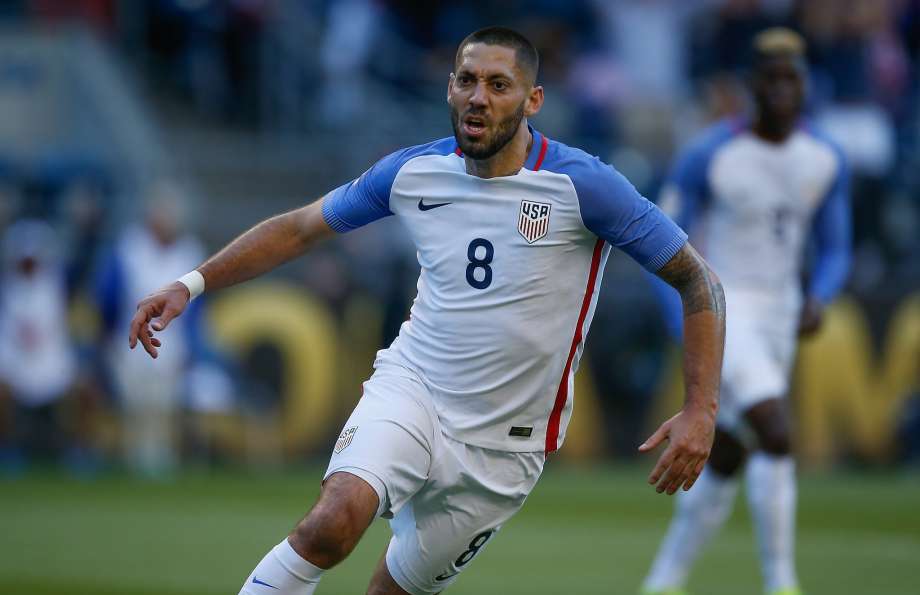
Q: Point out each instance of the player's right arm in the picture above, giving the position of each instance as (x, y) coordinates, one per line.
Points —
(274, 242)
(257, 251)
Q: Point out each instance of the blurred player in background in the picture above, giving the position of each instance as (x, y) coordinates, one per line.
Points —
(452, 431)
(144, 257)
(37, 359)
(757, 192)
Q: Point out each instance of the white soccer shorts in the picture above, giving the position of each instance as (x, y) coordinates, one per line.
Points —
(446, 499)
(760, 346)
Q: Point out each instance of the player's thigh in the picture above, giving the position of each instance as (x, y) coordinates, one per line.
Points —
(387, 440)
(752, 371)
(471, 493)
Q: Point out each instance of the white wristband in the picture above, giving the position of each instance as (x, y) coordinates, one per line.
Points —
(195, 283)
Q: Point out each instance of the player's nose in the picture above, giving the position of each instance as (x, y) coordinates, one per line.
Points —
(479, 97)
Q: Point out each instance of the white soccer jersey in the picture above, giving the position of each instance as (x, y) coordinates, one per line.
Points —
(510, 271)
(754, 205)
(757, 203)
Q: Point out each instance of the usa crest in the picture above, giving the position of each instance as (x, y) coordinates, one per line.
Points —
(344, 439)
(533, 222)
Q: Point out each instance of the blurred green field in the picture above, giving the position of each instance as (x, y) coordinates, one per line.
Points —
(584, 531)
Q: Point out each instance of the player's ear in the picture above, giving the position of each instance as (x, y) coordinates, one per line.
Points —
(534, 101)
(450, 84)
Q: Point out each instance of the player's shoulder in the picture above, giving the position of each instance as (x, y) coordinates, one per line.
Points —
(441, 146)
(595, 181)
(823, 139)
(383, 173)
(575, 163)
(710, 139)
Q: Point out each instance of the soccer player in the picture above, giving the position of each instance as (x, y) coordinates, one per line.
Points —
(760, 189)
(452, 431)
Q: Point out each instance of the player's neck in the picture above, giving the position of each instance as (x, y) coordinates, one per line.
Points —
(508, 161)
(773, 129)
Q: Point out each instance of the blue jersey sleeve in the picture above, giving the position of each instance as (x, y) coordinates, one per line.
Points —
(684, 197)
(367, 198)
(614, 211)
(833, 243)
(686, 189)
(363, 200)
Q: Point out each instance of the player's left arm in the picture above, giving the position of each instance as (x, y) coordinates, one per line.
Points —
(613, 209)
(690, 433)
(833, 246)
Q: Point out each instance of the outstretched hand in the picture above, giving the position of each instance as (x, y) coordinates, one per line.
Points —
(154, 313)
(689, 435)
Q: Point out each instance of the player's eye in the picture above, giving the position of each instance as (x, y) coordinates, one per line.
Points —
(464, 79)
(500, 85)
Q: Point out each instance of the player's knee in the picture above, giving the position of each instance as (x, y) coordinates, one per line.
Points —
(324, 537)
(333, 528)
(726, 466)
(770, 421)
(776, 441)
(727, 456)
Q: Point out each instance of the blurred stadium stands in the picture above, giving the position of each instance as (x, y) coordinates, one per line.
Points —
(248, 107)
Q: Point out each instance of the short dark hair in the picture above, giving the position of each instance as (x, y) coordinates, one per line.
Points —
(525, 54)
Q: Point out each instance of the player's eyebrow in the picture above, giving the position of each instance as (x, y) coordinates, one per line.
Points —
(490, 77)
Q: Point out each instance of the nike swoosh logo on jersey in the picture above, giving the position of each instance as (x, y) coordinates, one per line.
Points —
(423, 207)
(256, 581)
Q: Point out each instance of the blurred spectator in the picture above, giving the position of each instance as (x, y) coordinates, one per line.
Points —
(311, 80)
(722, 33)
(99, 13)
(37, 362)
(209, 51)
(81, 210)
(859, 65)
(348, 38)
(150, 391)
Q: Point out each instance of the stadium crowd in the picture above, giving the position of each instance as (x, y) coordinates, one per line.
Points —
(633, 79)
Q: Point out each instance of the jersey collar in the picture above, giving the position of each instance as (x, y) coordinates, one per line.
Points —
(537, 151)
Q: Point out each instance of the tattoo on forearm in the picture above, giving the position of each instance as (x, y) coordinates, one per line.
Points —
(699, 289)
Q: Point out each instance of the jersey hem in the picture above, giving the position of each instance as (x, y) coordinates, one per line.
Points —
(533, 444)
(335, 222)
(667, 253)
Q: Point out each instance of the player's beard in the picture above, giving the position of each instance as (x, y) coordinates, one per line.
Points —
(501, 134)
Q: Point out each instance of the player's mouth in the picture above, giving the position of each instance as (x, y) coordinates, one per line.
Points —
(474, 126)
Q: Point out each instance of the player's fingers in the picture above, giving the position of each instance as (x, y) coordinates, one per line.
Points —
(144, 336)
(164, 319)
(155, 342)
(697, 469)
(134, 328)
(664, 462)
(673, 477)
(656, 438)
(140, 320)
